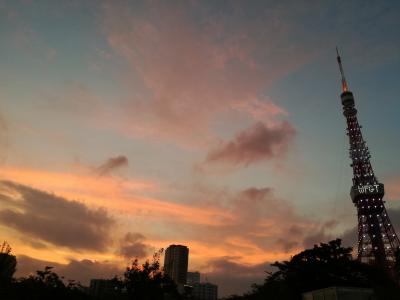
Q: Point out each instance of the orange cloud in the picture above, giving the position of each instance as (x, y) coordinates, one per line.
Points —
(265, 228)
(116, 194)
(78, 186)
(251, 226)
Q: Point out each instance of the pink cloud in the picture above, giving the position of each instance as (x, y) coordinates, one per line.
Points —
(190, 71)
(259, 142)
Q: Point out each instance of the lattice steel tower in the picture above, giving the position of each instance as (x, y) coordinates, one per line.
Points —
(377, 240)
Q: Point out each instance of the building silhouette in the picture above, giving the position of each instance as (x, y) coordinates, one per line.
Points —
(377, 239)
(340, 293)
(192, 278)
(103, 288)
(205, 291)
(176, 264)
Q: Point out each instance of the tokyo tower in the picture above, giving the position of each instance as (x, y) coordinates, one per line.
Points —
(377, 239)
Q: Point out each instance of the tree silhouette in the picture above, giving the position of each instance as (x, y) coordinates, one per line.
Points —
(140, 281)
(324, 265)
(8, 264)
(397, 265)
(148, 281)
(44, 285)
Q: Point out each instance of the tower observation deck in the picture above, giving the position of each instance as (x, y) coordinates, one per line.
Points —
(377, 239)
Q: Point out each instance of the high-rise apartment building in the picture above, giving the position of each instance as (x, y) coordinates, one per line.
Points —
(205, 291)
(192, 278)
(176, 263)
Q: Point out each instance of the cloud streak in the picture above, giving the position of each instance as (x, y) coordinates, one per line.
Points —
(126, 196)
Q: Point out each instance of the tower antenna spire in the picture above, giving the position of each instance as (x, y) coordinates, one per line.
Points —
(344, 82)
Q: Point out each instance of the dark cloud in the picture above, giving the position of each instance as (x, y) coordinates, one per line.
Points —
(82, 270)
(27, 265)
(235, 278)
(111, 164)
(259, 142)
(132, 246)
(54, 219)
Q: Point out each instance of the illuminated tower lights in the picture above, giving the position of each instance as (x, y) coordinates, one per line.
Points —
(377, 239)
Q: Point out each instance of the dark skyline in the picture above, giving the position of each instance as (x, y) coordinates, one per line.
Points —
(128, 127)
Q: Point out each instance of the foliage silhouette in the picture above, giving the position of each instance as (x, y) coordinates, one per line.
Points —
(325, 265)
(140, 281)
(8, 265)
(43, 285)
(148, 281)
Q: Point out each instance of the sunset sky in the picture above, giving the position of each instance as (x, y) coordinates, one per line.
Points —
(127, 126)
